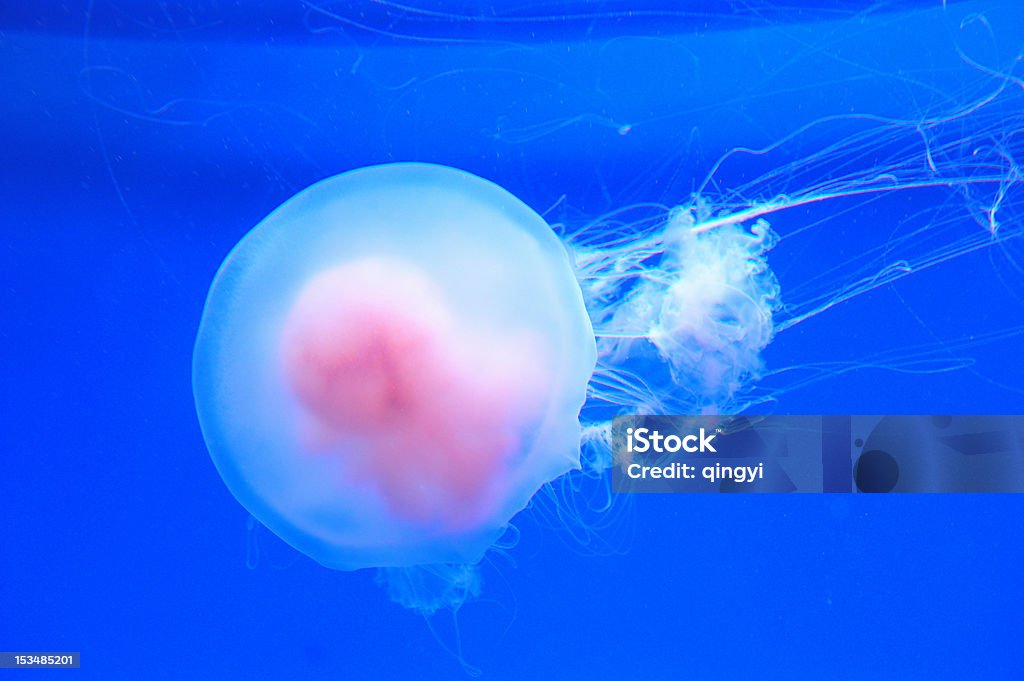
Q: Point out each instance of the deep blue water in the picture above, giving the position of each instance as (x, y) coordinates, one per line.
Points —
(141, 142)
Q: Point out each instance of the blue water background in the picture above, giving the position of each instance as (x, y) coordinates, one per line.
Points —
(141, 142)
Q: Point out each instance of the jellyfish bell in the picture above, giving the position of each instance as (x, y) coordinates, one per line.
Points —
(390, 365)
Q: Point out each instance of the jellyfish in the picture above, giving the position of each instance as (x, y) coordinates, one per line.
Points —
(399, 359)
(388, 367)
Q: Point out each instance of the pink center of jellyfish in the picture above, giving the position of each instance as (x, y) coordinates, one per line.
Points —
(424, 413)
